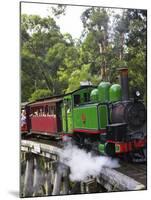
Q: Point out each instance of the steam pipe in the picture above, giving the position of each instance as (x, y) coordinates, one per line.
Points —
(124, 83)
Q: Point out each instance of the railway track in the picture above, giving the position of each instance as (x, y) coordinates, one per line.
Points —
(136, 171)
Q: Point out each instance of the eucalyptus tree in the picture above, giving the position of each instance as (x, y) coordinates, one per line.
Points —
(96, 44)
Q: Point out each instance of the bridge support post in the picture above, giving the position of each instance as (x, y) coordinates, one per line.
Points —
(28, 181)
(48, 178)
(76, 189)
(65, 189)
(82, 188)
(37, 178)
(57, 179)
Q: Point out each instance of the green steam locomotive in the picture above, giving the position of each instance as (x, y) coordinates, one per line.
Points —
(104, 118)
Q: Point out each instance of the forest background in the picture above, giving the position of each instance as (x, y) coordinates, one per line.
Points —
(54, 63)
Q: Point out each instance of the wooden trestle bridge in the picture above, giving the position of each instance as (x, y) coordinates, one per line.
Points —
(54, 178)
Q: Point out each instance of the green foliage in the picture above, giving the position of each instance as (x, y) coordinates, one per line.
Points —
(136, 44)
(80, 75)
(95, 22)
(60, 10)
(77, 76)
(40, 93)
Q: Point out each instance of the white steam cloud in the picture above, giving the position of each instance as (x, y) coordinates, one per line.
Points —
(83, 164)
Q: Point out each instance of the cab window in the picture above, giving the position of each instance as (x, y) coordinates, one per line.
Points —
(86, 97)
(76, 100)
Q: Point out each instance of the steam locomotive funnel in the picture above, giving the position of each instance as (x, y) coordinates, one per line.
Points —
(124, 83)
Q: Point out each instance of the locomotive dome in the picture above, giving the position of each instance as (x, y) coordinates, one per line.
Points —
(94, 95)
(115, 93)
(103, 91)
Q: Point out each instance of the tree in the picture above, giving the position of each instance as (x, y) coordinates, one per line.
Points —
(47, 56)
(57, 12)
(137, 47)
(80, 75)
(40, 93)
(38, 36)
(96, 22)
(130, 46)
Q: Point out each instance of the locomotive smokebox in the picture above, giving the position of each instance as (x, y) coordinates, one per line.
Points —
(124, 83)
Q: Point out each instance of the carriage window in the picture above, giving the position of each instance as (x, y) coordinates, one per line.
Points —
(49, 110)
(76, 99)
(40, 112)
(46, 109)
(86, 97)
(52, 110)
(35, 112)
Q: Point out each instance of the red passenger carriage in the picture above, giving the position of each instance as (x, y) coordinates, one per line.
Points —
(44, 116)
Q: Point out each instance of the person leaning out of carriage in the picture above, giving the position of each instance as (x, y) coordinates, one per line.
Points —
(23, 118)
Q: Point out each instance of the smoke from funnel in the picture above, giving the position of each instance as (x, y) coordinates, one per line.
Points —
(83, 164)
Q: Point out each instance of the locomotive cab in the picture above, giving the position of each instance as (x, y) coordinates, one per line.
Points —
(71, 102)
